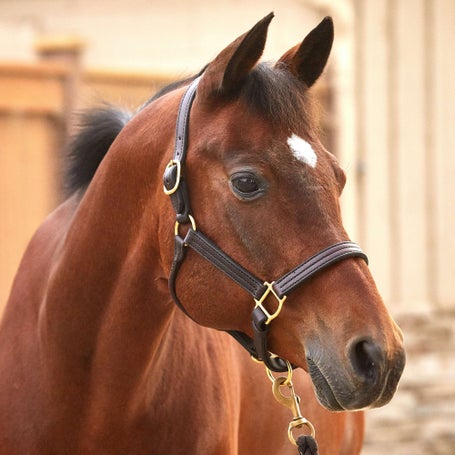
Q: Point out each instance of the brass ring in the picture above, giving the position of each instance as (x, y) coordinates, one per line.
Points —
(288, 377)
(255, 360)
(177, 224)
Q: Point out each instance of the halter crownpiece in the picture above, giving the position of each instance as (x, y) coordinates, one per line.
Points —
(175, 187)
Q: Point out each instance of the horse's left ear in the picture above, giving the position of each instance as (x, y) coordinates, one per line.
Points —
(307, 60)
(226, 72)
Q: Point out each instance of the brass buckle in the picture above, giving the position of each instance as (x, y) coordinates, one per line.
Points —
(270, 317)
(177, 179)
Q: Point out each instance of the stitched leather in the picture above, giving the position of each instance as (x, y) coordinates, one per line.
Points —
(315, 264)
(212, 253)
(181, 130)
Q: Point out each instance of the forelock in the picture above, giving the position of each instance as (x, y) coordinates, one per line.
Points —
(274, 93)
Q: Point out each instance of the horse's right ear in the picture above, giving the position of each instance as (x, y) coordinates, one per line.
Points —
(226, 72)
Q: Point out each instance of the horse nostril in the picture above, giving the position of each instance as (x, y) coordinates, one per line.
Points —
(366, 358)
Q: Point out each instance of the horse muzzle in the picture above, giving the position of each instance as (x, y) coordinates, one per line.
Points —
(367, 378)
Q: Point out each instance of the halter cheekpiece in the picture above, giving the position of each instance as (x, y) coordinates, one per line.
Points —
(176, 188)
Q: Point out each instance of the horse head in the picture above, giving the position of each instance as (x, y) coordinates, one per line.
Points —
(263, 187)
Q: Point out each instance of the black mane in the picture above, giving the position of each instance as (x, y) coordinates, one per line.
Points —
(98, 129)
(272, 92)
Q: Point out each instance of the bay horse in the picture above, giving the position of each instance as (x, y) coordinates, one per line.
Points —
(95, 356)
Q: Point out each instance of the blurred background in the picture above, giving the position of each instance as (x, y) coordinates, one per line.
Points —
(389, 115)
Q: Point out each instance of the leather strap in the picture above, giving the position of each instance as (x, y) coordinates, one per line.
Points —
(174, 178)
(330, 255)
(179, 255)
(212, 253)
(261, 330)
(181, 130)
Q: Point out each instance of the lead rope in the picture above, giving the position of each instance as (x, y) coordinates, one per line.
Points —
(307, 445)
(284, 393)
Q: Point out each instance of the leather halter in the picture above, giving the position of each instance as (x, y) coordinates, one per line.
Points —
(175, 186)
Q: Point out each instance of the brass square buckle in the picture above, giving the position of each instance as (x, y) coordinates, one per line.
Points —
(259, 303)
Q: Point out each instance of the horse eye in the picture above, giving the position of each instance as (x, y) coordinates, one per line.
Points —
(246, 185)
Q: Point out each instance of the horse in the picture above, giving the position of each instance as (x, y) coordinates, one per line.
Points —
(95, 355)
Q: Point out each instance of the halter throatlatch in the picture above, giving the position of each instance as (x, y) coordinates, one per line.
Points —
(176, 188)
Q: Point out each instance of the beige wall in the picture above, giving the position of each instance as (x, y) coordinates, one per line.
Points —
(150, 35)
(405, 112)
(406, 108)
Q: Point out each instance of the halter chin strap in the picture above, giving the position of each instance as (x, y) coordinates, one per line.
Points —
(175, 187)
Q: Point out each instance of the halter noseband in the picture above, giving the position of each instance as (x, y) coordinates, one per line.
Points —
(175, 187)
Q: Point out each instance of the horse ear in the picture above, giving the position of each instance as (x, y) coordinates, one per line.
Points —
(307, 60)
(227, 71)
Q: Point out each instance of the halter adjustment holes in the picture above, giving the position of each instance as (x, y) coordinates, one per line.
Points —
(247, 186)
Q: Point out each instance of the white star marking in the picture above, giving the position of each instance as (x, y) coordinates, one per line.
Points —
(302, 150)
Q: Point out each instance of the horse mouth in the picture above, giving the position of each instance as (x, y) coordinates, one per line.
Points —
(324, 392)
(337, 393)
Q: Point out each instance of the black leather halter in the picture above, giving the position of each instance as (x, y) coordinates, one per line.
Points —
(175, 186)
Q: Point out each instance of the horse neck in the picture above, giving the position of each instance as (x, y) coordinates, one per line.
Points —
(107, 306)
